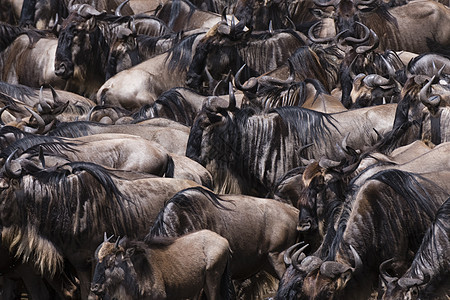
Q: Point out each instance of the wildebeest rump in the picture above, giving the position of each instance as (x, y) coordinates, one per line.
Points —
(166, 268)
(258, 229)
(66, 211)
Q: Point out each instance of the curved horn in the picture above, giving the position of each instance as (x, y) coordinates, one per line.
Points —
(224, 14)
(365, 49)
(87, 11)
(296, 261)
(375, 80)
(119, 8)
(41, 122)
(214, 93)
(315, 39)
(328, 163)
(359, 40)
(293, 27)
(273, 80)
(364, 2)
(107, 239)
(116, 244)
(423, 94)
(287, 256)
(332, 269)
(210, 77)
(325, 4)
(409, 282)
(1, 112)
(384, 274)
(55, 95)
(340, 42)
(89, 115)
(43, 106)
(232, 104)
(357, 258)
(271, 27)
(248, 85)
(389, 67)
(9, 172)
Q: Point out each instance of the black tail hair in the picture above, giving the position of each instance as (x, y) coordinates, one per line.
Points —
(226, 284)
(170, 168)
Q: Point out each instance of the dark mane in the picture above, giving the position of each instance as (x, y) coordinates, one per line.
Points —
(74, 129)
(179, 57)
(170, 104)
(17, 91)
(276, 96)
(307, 123)
(186, 212)
(406, 186)
(430, 248)
(175, 9)
(147, 44)
(287, 175)
(32, 143)
(8, 33)
(57, 197)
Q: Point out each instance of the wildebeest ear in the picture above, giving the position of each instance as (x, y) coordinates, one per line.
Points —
(129, 252)
(213, 118)
(91, 23)
(3, 184)
(344, 278)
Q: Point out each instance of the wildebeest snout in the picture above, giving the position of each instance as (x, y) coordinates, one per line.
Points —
(64, 69)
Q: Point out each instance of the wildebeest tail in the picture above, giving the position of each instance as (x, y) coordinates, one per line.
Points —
(226, 284)
(170, 168)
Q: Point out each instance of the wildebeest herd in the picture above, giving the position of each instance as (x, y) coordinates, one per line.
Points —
(247, 149)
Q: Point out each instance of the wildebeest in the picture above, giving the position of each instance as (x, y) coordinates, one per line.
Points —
(118, 151)
(164, 268)
(258, 229)
(50, 104)
(307, 62)
(84, 43)
(150, 78)
(428, 275)
(371, 229)
(225, 48)
(68, 208)
(174, 140)
(399, 28)
(130, 49)
(178, 104)
(42, 13)
(247, 152)
(27, 57)
(182, 15)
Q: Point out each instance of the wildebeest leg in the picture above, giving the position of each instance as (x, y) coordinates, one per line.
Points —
(9, 288)
(34, 284)
(215, 271)
(65, 287)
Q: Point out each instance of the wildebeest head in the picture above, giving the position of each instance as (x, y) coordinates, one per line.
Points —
(123, 53)
(113, 268)
(374, 89)
(215, 113)
(346, 13)
(328, 281)
(225, 48)
(395, 288)
(80, 44)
